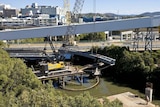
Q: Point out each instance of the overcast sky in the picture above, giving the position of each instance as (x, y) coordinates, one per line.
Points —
(98, 6)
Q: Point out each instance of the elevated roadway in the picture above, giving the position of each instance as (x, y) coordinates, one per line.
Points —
(114, 25)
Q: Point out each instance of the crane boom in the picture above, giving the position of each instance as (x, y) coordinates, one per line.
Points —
(71, 17)
(66, 7)
(77, 9)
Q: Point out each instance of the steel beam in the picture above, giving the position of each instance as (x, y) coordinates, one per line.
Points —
(149, 39)
(136, 40)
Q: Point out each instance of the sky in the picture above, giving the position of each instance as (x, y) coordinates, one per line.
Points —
(97, 6)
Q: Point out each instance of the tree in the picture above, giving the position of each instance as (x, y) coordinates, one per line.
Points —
(2, 44)
(31, 40)
(100, 36)
(115, 103)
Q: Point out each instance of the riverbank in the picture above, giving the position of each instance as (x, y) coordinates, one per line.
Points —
(106, 88)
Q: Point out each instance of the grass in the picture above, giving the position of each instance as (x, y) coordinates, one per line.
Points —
(106, 88)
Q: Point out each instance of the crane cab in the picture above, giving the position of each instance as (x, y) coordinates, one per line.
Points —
(47, 67)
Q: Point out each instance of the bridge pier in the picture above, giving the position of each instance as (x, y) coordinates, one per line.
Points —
(63, 82)
(81, 76)
(121, 38)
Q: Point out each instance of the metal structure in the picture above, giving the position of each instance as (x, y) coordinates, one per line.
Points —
(66, 7)
(71, 17)
(148, 39)
(136, 40)
(77, 10)
(48, 39)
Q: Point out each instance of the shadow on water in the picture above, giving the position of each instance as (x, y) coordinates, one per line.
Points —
(99, 91)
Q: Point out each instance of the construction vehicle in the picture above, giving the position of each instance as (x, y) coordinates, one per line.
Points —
(47, 67)
(51, 64)
(55, 66)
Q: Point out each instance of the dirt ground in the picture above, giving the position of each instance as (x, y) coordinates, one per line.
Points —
(130, 100)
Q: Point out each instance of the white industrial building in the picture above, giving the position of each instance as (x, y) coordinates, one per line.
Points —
(34, 15)
(34, 9)
(55, 13)
(36, 20)
(44, 20)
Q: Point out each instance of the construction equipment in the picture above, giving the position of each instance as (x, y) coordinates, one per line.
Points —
(48, 39)
(47, 67)
(51, 64)
(71, 17)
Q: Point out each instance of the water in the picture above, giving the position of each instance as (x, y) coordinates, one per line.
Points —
(100, 90)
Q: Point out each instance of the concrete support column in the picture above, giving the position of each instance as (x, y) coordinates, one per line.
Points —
(143, 37)
(59, 81)
(81, 79)
(121, 37)
(131, 36)
(127, 36)
(63, 82)
(154, 36)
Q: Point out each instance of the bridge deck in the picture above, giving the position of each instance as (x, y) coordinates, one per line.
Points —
(60, 73)
(114, 25)
(99, 57)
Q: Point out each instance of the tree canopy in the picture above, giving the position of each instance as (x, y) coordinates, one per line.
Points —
(100, 36)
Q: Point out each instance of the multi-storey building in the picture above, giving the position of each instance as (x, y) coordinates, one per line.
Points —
(32, 15)
(10, 13)
(52, 11)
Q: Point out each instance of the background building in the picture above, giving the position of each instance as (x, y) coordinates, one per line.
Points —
(34, 8)
(10, 13)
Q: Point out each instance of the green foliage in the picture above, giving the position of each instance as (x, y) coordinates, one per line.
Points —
(115, 103)
(85, 100)
(132, 68)
(2, 44)
(100, 36)
(148, 60)
(31, 40)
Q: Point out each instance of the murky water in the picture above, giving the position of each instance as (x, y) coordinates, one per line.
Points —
(100, 90)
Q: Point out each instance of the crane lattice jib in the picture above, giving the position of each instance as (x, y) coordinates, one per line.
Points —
(66, 11)
(66, 5)
(71, 17)
(77, 8)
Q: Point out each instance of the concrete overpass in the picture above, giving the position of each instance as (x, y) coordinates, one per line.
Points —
(114, 25)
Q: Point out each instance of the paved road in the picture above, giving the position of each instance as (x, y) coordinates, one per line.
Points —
(87, 45)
